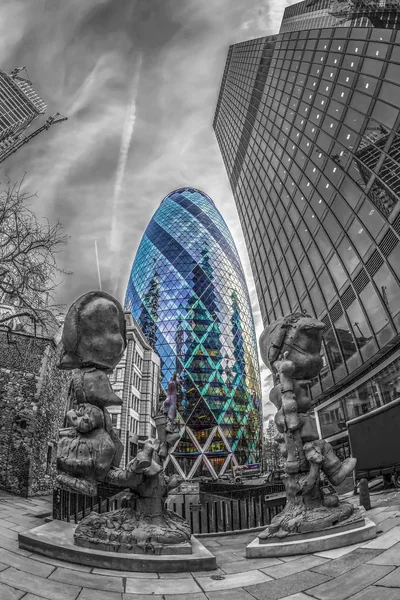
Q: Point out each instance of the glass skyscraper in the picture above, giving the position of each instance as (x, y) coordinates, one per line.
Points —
(188, 292)
(308, 125)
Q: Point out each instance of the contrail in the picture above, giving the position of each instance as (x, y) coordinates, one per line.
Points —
(129, 125)
(98, 264)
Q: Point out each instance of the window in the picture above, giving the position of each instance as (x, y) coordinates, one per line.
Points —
(374, 308)
(337, 271)
(332, 419)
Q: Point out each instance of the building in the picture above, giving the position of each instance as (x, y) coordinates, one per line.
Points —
(136, 379)
(20, 105)
(188, 292)
(33, 399)
(308, 125)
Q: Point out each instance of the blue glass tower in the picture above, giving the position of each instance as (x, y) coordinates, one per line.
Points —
(188, 291)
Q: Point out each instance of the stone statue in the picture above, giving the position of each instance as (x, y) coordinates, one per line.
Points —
(89, 452)
(290, 347)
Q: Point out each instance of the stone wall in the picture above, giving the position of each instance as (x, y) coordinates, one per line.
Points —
(32, 405)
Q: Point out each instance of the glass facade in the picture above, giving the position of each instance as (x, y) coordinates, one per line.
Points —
(188, 292)
(308, 125)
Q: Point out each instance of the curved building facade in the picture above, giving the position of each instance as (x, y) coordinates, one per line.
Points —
(188, 292)
(308, 123)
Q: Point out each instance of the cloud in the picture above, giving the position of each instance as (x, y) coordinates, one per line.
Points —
(128, 141)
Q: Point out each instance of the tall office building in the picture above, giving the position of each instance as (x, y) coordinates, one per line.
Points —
(188, 292)
(20, 105)
(308, 125)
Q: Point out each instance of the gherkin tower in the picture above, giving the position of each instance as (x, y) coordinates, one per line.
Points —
(188, 292)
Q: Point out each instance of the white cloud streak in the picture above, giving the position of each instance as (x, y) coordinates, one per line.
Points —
(127, 134)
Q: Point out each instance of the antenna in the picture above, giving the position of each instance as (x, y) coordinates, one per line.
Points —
(97, 262)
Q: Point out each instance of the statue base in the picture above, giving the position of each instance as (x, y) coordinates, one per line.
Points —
(56, 540)
(358, 528)
(295, 518)
(135, 532)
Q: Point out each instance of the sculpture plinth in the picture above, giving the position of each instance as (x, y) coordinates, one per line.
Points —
(290, 347)
(93, 342)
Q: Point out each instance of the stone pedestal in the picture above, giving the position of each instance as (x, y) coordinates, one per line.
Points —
(56, 540)
(354, 530)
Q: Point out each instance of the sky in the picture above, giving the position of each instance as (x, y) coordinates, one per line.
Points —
(138, 81)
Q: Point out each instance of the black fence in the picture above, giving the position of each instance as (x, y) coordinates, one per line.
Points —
(222, 515)
(212, 514)
(73, 507)
(242, 491)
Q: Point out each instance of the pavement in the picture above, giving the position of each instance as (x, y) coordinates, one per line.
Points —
(366, 571)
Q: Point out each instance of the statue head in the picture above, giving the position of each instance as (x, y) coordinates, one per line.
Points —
(313, 453)
(94, 333)
(300, 336)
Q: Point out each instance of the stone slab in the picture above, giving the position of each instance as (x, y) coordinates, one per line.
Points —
(311, 545)
(56, 540)
(350, 583)
(374, 593)
(295, 566)
(391, 580)
(338, 566)
(185, 587)
(386, 540)
(232, 581)
(286, 586)
(391, 556)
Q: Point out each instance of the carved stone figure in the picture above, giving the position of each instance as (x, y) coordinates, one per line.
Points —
(290, 347)
(90, 451)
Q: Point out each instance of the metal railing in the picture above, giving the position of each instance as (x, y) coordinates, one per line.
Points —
(224, 515)
(212, 515)
(73, 507)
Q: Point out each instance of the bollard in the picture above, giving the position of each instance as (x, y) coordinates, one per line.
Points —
(365, 498)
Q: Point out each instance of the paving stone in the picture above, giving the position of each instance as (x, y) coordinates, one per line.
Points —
(338, 552)
(293, 557)
(280, 588)
(51, 590)
(8, 533)
(13, 546)
(10, 593)
(388, 557)
(341, 565)
(158, 586)
(389, 524)
(232, 581)
(391, 580)
(383, 516)
(196, 596)
(294, 566)
(60, 563)
(237, 594)
(386, 540)
(144, 597)
(25, 564)
(208, 573)
(299, 596)
(87, 594)
(350, 583)
(376, 593)
(211, 543)
(249, 564)
(175, 575)
(114, 573)
(97, 582)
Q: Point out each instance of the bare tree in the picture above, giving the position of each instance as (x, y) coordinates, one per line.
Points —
(28, 268)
